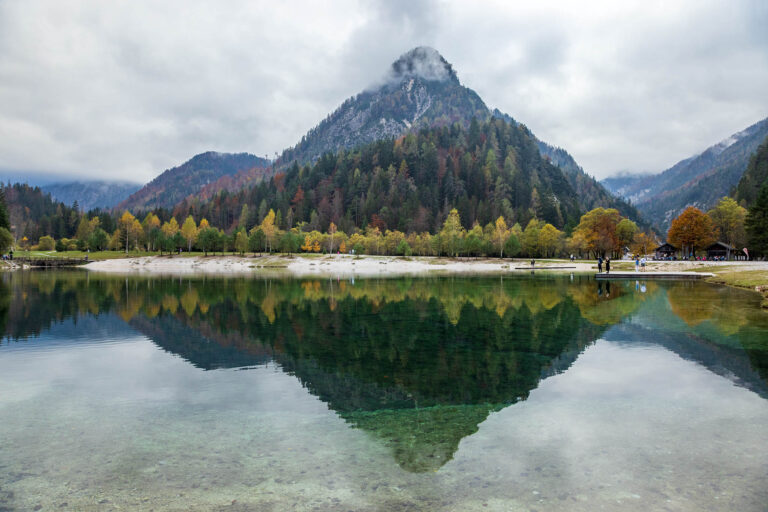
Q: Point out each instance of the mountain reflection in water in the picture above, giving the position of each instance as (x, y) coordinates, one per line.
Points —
(417, 363)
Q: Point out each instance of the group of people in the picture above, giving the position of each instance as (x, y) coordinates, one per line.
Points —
(8, 257)
(639, 264)
(607, 262)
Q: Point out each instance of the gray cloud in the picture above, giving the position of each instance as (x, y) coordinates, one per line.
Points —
(127, 89)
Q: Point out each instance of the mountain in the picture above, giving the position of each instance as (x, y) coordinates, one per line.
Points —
(700, 180)
(421, 89)
(754, 177)
(91, 194)
(176, 184)
(410, 184)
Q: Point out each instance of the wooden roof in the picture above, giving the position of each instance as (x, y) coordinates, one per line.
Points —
(720, 245)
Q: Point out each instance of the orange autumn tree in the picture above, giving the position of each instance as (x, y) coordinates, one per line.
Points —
(691, 230)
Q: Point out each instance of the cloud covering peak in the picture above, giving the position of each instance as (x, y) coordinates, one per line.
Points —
(423, 62)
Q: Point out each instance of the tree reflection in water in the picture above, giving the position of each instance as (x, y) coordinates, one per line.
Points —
(417, 363)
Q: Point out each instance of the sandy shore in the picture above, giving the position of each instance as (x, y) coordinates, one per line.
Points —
(332, 265)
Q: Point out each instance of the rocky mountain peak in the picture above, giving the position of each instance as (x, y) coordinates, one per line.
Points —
(422, 62)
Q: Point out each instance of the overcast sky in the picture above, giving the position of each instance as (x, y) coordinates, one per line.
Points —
(125, 89)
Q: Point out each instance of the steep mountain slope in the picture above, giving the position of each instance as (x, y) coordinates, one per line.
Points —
(421, 89)
(590, 193)
(411, 183)
(754, 177)
(91, 194)
(177, 183)
(699, 180)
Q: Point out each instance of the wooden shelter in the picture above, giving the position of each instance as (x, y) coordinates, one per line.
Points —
(665, 251)
(719, 250)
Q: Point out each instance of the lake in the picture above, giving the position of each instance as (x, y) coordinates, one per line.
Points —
(463, 393)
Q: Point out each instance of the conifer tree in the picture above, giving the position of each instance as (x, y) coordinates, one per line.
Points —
(4, 221)
(757, 223)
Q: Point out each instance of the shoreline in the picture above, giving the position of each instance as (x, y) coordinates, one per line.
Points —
(323, 266)
(749, 275)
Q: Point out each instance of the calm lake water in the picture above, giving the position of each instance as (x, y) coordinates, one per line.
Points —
(493, 393)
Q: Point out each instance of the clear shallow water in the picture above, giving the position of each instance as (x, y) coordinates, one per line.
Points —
(398, 394)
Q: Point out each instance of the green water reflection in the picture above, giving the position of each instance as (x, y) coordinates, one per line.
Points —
(416, 363)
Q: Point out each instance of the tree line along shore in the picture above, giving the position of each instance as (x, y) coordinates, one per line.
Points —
(600, 233)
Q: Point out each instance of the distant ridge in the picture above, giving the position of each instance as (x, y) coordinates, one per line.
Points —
(189, 178)
(699, 180)
(91, 194)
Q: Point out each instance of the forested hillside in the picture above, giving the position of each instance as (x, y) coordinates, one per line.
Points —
(34, 213)
(754, 177)
(590, 193)
(177, 183)
(410, 184)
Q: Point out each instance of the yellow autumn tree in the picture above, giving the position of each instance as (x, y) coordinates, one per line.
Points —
(125, 224)
(189, 232)
(170, 228)
(307, 245)
(332, 234)
(452, 233)
(549, 240)
(134, 232)
(269, 229)
(500, 235)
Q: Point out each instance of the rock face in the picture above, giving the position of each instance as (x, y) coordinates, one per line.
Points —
(420, 89)
(700, 180)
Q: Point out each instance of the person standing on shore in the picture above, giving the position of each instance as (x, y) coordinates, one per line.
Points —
(607, 265)
(637, 263)
(599, 264)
